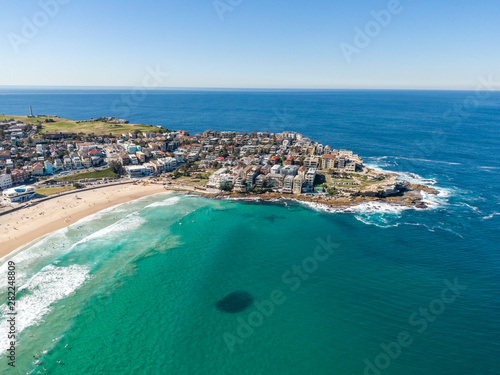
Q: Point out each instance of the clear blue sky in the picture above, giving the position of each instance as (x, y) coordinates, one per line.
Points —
(445, 44)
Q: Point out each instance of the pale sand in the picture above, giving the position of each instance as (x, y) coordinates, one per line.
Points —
(23, 226)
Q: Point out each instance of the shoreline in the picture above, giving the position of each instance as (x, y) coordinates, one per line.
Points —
(411, 198)
(18, 228)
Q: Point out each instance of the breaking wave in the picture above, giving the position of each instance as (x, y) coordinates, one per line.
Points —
(36, 297)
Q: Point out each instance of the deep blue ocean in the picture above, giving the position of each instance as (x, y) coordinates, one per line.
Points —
(134, 289)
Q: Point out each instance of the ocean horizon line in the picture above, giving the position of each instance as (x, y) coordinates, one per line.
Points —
(231, 89)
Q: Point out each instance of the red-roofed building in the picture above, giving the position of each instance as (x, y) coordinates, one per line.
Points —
(274, 159)
(19, 176)
(328, 161)
(37, 169)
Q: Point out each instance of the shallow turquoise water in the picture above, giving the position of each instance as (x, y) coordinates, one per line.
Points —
(141, 281)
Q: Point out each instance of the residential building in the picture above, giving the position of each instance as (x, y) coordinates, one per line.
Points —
(37, 169)
(67, 162)
(328, 161)
(274, 180)
(19, 176)
(260, 181)
(350, 167)
(311, 162)
(297, 184)
(341, 164)
(288, 184)
(77, 163)
(309, 179)
(5, 181)
(49, 169)
(58, 165)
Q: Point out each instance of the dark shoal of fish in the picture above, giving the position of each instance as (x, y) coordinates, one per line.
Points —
(235, 302)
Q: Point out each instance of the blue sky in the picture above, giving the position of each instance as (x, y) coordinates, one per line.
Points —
(446, 44)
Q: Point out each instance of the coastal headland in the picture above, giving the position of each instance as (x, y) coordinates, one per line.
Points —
(81, 167)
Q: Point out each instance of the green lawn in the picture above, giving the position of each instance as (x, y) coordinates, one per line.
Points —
(55, 190)
(108, 172)
(84, 127)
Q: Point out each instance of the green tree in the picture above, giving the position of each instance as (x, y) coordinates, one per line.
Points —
(226, 187)
(116, 167)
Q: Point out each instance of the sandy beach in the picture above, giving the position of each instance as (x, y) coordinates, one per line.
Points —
(23, 226)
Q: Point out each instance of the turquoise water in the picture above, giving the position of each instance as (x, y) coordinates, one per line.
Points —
(134, 289)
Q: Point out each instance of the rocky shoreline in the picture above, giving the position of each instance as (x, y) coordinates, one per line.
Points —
(407, 194)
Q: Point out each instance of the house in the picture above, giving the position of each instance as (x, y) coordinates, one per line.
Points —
(124, 159)
(67, 162)
(77, 163)
(37, 169)
(86, 161)
(58, 165)
(95, 152)
(274, 159)
(192, 156)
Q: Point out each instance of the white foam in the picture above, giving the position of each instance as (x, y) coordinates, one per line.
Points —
(165, 203)
(490, 216)
(42, 290)
(489, 168)
(427, 160)
(130, 222)
(33, 248)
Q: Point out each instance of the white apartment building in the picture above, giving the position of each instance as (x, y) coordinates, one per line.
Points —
(5, 181)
